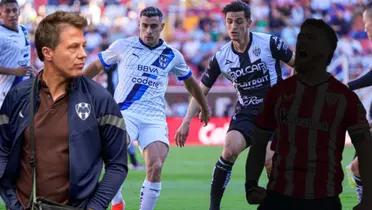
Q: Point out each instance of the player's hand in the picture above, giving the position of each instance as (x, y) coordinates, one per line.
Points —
(357, 207)
(20, 71)
(24, 71)
(182, 133)
(363, 206)
(255, 195)
(204, 116)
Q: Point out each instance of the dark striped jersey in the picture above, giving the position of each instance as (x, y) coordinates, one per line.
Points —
(310, 124)
(252, 72)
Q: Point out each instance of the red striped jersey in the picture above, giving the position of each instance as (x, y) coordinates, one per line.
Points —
(310, 124)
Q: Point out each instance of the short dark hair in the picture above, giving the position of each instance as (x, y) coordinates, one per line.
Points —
(369, 5)
(48, 30)
(2, 2)
(238, 6)
(368, 9)
(151, 12)
(329, 32)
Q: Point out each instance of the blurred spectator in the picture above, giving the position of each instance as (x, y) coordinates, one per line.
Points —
(338, 21)
(93, 38)
(196, 28)
(289, 34)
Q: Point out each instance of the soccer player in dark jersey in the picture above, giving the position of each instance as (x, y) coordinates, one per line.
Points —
(251, 61)
(310, 113)
(363, 81)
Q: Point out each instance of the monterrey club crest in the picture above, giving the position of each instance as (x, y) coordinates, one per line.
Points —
(163, 60)
(82, 110)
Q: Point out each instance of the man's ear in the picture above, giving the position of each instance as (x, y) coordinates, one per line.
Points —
(48, 53)
(249, 22)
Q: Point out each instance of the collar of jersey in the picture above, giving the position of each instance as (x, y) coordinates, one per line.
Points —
(10, 29)
(154, 47)
(316, 83)
(246, 50)
(72, 85)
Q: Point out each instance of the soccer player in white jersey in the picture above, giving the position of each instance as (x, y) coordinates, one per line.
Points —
(251, 61)
(14, 47)
(144, 63)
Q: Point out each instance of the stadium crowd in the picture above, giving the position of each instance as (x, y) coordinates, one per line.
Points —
(63, 47)
(196, 28)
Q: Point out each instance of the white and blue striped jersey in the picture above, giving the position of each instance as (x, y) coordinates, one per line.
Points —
(252, 72)
(143, 75)
(15, 52)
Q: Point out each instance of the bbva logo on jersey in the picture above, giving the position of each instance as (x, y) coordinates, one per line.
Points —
(83, 110)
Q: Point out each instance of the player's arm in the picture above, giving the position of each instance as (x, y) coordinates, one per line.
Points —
(361, 82)
(292, 60)
(106, 59)
(17, 71)
(360, 135)
(193, 108)
(198, 96)
(114, 152)
(265, 126)
(257, 153)
(281, 51)
(362, 142)
(20, 71)
(255, 164)
(93, 69)
(207, 81)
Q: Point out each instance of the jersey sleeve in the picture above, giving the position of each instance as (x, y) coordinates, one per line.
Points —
(280, 50)
(26, 35)
(2, 46)
(266, 118)
(211, 74)
(111, 56)
(361, 82)
(356, 121)
(181, 69)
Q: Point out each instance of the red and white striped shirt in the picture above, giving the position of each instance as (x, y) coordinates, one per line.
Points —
(310, 124)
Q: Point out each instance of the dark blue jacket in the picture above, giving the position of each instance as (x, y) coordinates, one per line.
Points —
(98, 139)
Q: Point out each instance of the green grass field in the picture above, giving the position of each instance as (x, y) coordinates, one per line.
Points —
(187, 176)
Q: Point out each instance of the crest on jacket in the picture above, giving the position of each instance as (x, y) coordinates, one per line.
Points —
(83, 110)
